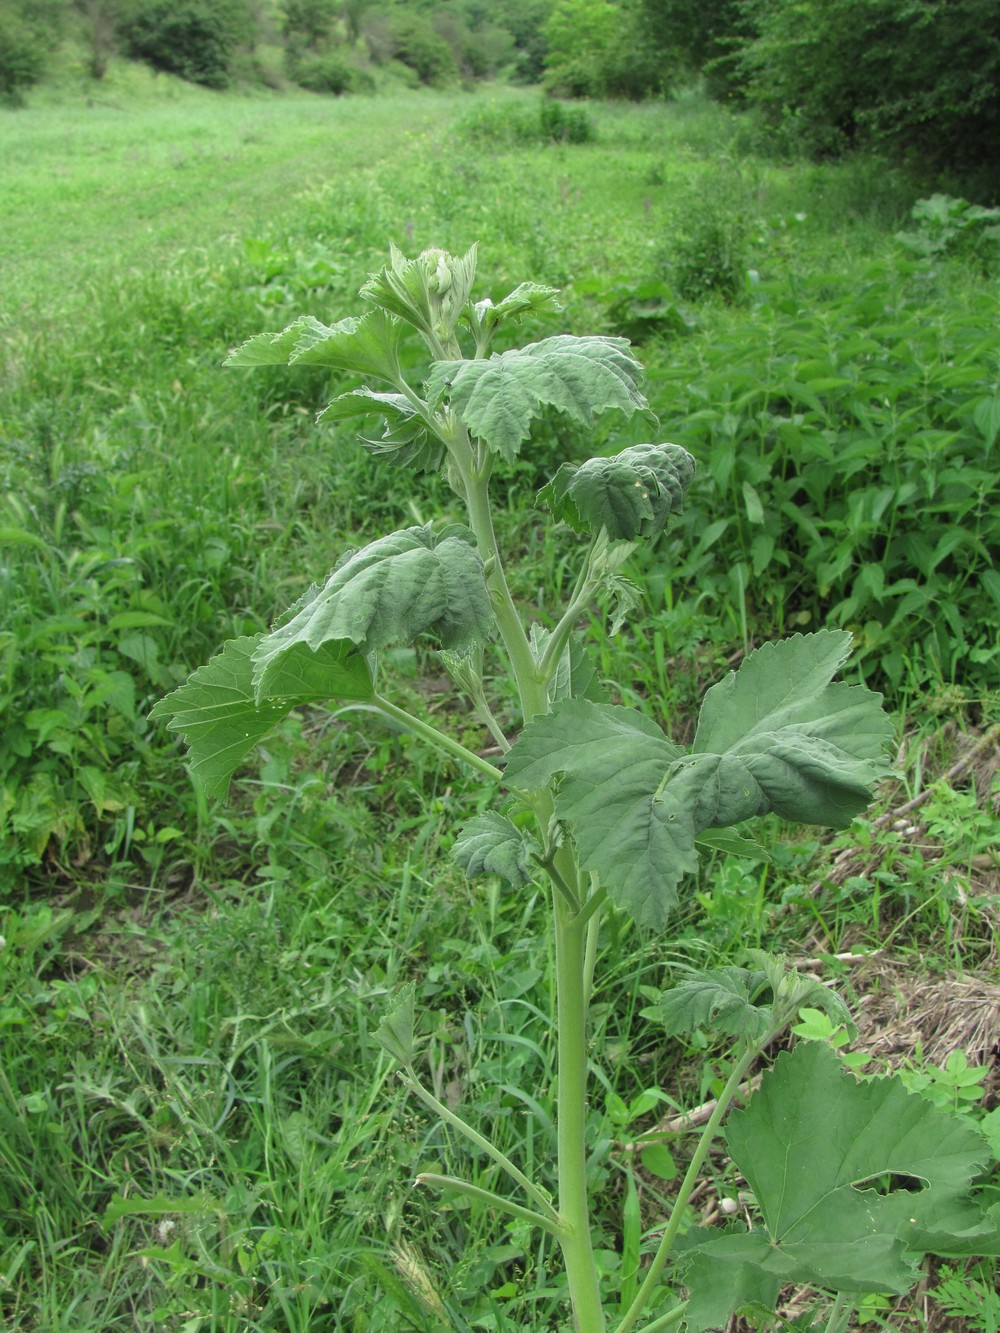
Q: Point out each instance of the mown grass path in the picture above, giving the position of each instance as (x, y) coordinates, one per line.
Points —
(93, 188)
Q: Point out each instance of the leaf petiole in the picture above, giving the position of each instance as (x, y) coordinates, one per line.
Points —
(456, 1186)
(409, 1077)
(687, 1185)
(438, 739)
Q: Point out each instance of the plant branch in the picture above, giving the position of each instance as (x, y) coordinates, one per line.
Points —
(411, 1080)
(436, 738)
(457, 1186)
(667, 1320)
(645, 1292)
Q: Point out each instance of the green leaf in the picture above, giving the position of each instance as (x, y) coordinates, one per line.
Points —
(404, 585)
(819, 1148)
(611, 760)
(986, 415)
(161, 1205)
(575, 676)
(721, 1000)
(367, 346)
(631, 495)
(732, 844)
(528, 297)
(725, 1276)
(491, 844)
(220, 718)
(776, 735)
(405, 441)
(796, 745)
(498, 399)
(395, 1032)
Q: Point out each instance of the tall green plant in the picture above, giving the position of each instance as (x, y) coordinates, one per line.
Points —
(598, 801)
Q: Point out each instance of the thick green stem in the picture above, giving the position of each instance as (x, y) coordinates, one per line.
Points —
(652, 1277)
(571, 1003)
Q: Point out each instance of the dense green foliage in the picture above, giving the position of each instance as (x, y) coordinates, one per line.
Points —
(195, 40)
(185, 1026)
(921, 82)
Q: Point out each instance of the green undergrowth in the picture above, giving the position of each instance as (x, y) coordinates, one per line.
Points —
(196, 1128)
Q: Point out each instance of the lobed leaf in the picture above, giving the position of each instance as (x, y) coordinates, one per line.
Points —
(795, 744)
(406, 441)
(491, 844)
(499, 398)
(407, 584)
(832, 1163)
(221, 718)
(631, 495)
(367, 346)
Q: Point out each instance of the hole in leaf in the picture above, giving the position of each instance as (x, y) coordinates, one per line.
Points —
(891, 1182)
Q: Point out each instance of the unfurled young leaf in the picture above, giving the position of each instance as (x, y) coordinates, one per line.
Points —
(221, 719)
(367, 346)
(631, 495)
(393, 591)
(498, 399)
(851, 1179)
(484, 318)
(491, 844)
(574, 676)
(429, 292)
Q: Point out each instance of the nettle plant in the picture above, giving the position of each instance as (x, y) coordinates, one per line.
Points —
(853, 1181)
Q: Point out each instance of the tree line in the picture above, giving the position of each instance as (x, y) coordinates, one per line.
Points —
(918, 80)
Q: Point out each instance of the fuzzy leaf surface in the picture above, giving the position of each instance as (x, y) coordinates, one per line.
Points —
(368, 346)
(631, 495)
(778, 735)
(428, 292)
(404, 585)
(744, 1001)
(611, 761)
(221, 721)
(405, 441)
(491, 844)
(499, 398)
(814, 1145)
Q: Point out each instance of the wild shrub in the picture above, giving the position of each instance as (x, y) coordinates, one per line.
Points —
(22, 59)
(194, 39)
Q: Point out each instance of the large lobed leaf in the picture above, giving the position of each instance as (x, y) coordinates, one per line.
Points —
(392, 591)
(631, 495)
(499, 398)
(788, 740)
(846, 1175)
(221, 719)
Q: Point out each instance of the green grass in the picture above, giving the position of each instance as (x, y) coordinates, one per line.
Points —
(197, 1130)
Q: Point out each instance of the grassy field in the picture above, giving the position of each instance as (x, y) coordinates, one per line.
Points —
(197, 1129)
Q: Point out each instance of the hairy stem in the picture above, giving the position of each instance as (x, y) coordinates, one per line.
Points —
(571, 1005)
